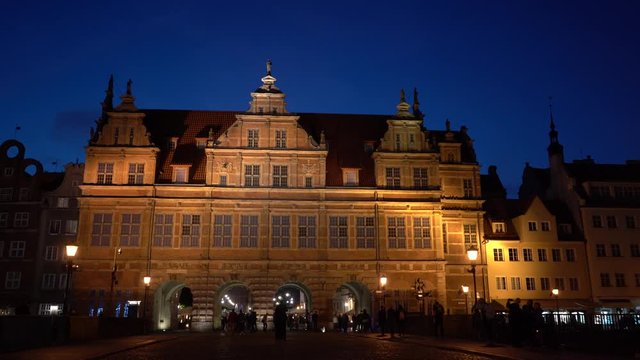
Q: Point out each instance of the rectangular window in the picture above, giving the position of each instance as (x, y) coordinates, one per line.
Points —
(281, 139)
(393, 177)
(280, 231)
(611, 222)
(601, 250)
(544, 283)
(71, 227)
(365, 232)
(190, 236)
(420, 178)
(55, 227)
(515, 283)
(545, 226)
(163, 230)
(467, 186)
(570, 254)
(555, 255)
(605, 280)
(498, 227)
(4, 219)
(397, 142)
(566, 228)
(306, 232)
(130, 230)
(308, 182)
(596, 221)
(8, 171)
(615, 250)
(396, 232)
(249, 231)
(45, 310)
(136, 174)
(16, 249)
(533, 226)
(223, 180)
(181, 175)
(23, 195)
(630, 222)
(51, 253)
(527, 254)
(21, 219)
(48, 281)
(12, 280)
(513, 254)
(422, 232)
(470, 235)
(280, 175)
(560, 284)
(252, 175)
(6, 194)
(338, 232)
(101, 230)
(105, 173)
(498, 255)
(635, 250)
(530, 283)
(222, 230)
(573, 284)
(62, 281)
(501, 283)
(252, 138)
(63, 202)
(620, 282)
(445, 239)
(542, 254)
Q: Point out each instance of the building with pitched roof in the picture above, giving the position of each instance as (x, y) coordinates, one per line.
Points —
(604, 202)
(251, 208)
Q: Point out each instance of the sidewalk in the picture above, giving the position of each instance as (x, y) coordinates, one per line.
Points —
(88, 350)
(497, 351)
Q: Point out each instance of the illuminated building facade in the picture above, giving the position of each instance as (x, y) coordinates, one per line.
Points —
(267, 202)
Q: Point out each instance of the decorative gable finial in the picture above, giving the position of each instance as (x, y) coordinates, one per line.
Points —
(269, 63)
(127, 100)
(107, 103)
(403, 107)
(416, 105)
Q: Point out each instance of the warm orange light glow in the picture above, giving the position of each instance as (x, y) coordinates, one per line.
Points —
(555, 292)
(71, 250)
(472, 253)
(465, 289)
(383, 280)
(147, 280)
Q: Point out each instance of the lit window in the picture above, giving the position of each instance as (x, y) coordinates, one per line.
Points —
(501, 283)
(136, 174)
(190, 231)
(350, 177)
(422, 232)
(105, 173)
(396, 232)
(280, 231)
(338, 232)
(101, 231)
(498, 255)
(180, 175)
(306, 232)
(163, 230)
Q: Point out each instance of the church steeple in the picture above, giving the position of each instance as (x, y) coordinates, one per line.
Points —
(107, 103)
(554, 148)
(416, 105)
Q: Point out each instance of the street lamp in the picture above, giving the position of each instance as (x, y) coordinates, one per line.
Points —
(383, 285)
(472, 255)
(71, 251)
(114, 279)
(419, 286)
(555, 292)
(465, 290)
(147, 282)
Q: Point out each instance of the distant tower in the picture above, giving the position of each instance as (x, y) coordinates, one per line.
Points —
(555, 149)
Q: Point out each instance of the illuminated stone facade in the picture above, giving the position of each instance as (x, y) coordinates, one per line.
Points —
(266, 199)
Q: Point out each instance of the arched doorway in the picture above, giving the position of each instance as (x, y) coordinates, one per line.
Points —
(170, 305)
(233, 296)
(298, 301)
(352, 298)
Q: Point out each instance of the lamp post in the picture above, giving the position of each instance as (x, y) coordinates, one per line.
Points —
(465, 290)
(555, 292)
(419, 286)
(147, 282)
(383, 285)
(114, 279)
(472, 255)
(71, 251)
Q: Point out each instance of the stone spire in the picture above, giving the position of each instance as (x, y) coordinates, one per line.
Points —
(127, 100)
(107, 103)
(403, 107)
(416, 105)
(554, 148)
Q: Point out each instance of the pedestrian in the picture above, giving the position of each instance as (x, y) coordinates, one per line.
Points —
(223, 320)
(280, 322)
(314, 320)
(382, 319)
(264, 322)
(365, 321)
(401, 319)
(345, 323)
(391, 320)
(232, 321)
(515, 321)
(438, 318)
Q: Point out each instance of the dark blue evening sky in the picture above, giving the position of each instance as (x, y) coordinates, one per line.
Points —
(489, 65)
